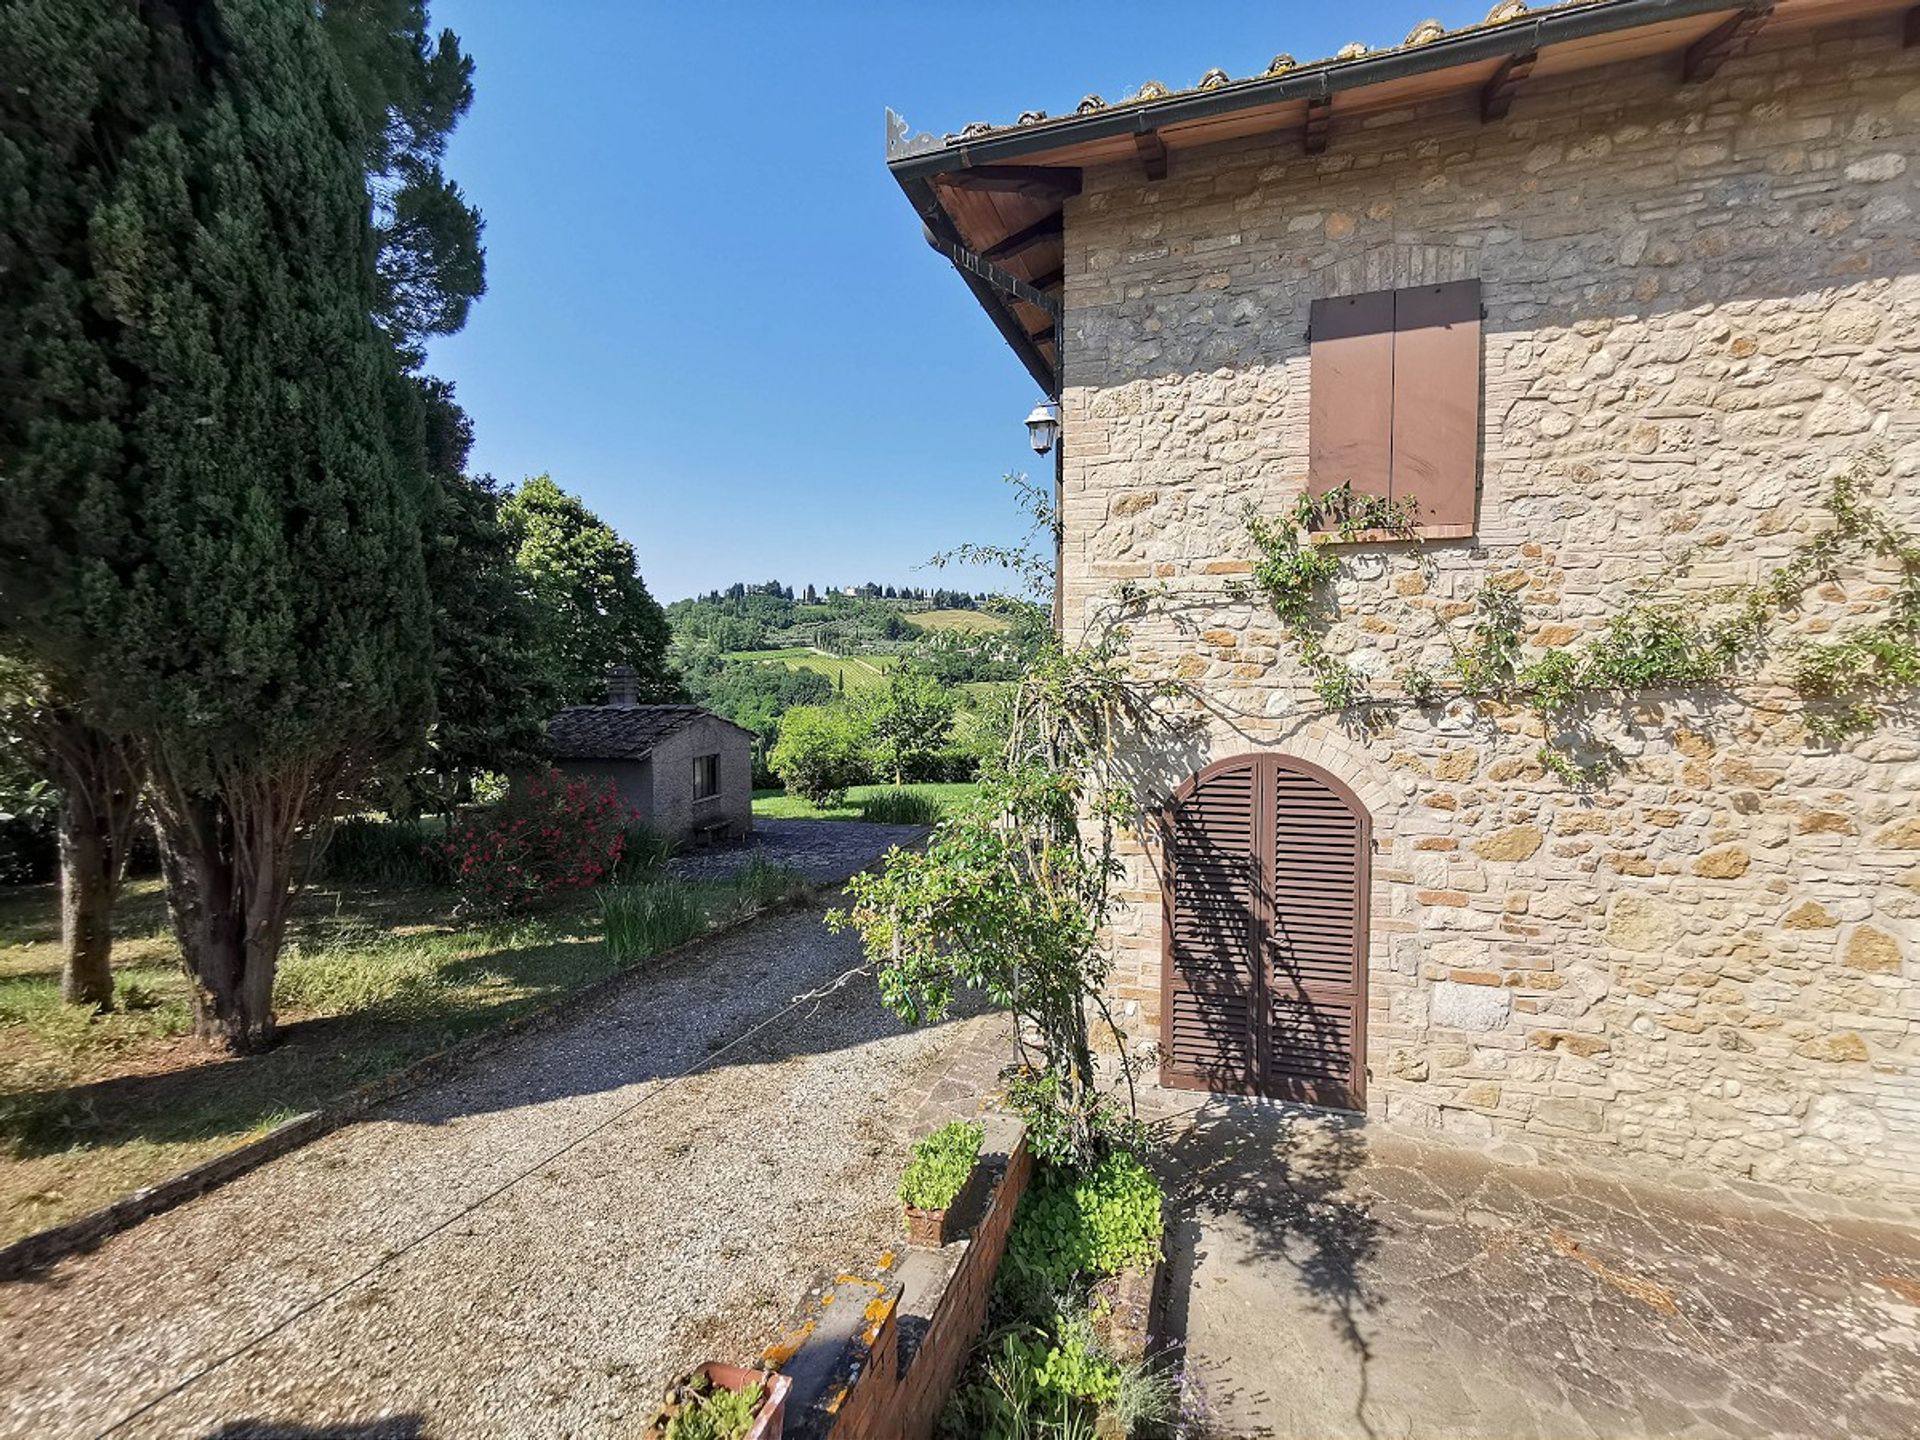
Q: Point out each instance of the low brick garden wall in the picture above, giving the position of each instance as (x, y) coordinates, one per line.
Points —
(875, 1358)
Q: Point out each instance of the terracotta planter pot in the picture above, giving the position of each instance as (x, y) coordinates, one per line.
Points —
(927, 1228)
(934, 1228)
(767, 1420)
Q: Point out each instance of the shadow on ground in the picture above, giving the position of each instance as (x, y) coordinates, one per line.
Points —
(1282, 1180)
(1333, 1281)
(316, 1061)
(397, 1427)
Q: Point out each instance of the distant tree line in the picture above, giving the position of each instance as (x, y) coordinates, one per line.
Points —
(935, 599)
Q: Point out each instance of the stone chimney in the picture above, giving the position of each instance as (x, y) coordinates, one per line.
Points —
(621, 687)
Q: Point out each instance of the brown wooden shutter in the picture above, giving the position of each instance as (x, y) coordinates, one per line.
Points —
(1436, 402)
(1266, 929)
(1350, 403)
(1212, 927)
(1315, 942)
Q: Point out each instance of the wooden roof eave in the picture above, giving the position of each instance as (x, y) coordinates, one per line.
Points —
(916, 161)
(999, 307)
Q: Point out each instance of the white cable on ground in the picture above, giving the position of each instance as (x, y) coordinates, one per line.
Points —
(657, 1087)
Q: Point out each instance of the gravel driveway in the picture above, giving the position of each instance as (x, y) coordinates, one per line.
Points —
(818, 849)
(526, 1249)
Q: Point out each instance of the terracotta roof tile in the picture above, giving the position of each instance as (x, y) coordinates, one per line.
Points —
(1505, 12)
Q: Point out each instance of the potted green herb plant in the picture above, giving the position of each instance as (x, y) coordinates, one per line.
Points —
(722, 1402)
(941, 1167)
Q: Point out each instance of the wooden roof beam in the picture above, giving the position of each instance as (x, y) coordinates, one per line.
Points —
(1153, 153)
(1047, 227)
(1036, 182)
(1727, 39)
(1050, 278)
(1319, 122)
(1496, 99)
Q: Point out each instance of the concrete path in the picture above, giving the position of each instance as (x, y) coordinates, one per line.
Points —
(1334, 1281)
(528, 1249)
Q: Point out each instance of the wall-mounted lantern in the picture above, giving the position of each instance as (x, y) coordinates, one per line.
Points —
(1043, 428)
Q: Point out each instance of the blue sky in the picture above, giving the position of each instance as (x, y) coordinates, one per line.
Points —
(710, 310)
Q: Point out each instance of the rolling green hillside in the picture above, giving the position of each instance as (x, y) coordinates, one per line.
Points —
(971, 621)
(848, 672)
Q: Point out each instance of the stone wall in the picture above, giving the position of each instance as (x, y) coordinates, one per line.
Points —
(1701, 301)
(675, 811)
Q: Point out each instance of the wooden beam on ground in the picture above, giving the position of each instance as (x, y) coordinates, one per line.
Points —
(1153, 154)
(1047, 227)
(1727, 39)
(1497, 98)
(1036, 182)
(1319, 122)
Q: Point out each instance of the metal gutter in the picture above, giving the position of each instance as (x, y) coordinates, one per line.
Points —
(921, 156)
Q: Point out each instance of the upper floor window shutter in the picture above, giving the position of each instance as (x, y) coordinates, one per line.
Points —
(1436, 402)
(1350, 419)
(1395, 400)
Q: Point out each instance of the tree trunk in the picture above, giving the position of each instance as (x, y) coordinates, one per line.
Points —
(89, 873)
(99, 777)
(229, 887)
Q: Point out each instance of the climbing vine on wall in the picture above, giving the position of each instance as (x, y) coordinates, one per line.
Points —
(1658, 641)
(1296, 569)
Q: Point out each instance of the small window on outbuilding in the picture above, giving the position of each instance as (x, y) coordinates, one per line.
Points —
(1395, 403)
(706, 776)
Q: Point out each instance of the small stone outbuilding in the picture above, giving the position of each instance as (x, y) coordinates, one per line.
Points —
(1606, 295)
(682, 770)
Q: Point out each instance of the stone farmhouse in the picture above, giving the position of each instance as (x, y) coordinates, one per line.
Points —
(680, 769)
(1596, 303)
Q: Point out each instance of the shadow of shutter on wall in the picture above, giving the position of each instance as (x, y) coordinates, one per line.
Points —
(1214, 920)
(1436, 401)
(1350, 375)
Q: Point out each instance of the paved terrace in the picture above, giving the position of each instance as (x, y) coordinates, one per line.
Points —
(1335, 1281)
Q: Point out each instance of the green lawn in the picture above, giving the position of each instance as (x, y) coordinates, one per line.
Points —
(372, 979)
(778, 805)
(857, 671)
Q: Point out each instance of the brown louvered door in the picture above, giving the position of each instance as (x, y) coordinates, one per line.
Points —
(1211, 994)
(1315, 936)
(1265, 923)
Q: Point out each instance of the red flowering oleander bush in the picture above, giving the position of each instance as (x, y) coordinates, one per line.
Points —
(550, 834)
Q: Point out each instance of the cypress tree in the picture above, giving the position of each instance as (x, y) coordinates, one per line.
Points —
(211, 473)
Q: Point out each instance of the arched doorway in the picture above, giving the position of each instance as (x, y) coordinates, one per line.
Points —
(1264, 925)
